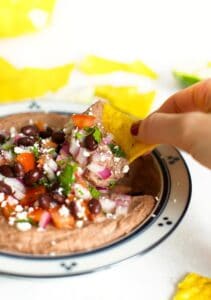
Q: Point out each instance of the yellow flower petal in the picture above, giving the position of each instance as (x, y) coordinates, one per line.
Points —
(18, 84)
(24, 16)
(93, 65)
(119, 124)
(194, 287)
(127, 98)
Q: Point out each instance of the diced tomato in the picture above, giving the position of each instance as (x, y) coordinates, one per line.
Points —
(61, 222)
(32, 195)
(27, 160)
(82, 120)
(7, 210)
(36, 214)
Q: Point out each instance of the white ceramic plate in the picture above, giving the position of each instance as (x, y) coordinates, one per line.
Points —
(173, 202)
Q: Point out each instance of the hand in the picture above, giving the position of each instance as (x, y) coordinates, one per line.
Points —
(184, 120)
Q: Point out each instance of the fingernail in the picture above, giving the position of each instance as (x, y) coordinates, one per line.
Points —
(134, 128)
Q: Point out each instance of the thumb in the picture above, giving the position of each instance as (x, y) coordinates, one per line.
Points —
(181, 130)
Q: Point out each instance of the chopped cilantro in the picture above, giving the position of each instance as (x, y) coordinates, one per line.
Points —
(79, 135)
(52, 151)
(94, 192)
(35, 151)
(97, 135)
(44, 181)
(28, 220)
(66, 178)
(95, 131)
(89, 130)
(116, 150)
(7, 146)
(112, 184)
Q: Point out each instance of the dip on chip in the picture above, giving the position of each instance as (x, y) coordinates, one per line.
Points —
(57, 175)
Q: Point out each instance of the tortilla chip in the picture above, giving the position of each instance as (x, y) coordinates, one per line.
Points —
(94, 65)
(127, 98)
(18, 84)
(119, 123)
(24, 16)
(194, 287)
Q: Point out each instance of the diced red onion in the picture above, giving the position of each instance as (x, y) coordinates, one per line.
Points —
(105, 173)
(102, 190)
(81, 157)
(17, 187)
(65, 148)
(74, 147)
(95, 168)
(107, 205)
(45, 219)
(121, 199)
(108, 139)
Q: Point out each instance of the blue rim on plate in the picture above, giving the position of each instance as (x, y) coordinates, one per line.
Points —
(171, 208)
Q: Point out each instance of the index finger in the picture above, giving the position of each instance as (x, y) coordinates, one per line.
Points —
(194, 98)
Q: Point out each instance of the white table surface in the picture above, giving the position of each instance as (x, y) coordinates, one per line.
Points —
(163, 33)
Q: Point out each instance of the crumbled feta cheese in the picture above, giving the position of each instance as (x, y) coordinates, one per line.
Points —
(86, 153)
(21, 215)
(81, 192)
(31, 209)
(23, 226)
(125, 169)
(4, 203)
(79, 224)
(80, 210)
(13, 132)
(12, 201)
(11, 221)
(79, 171)
(60, 190)
(107, 205)
(7, 154)
(64, 211)
(2, 196)
(19, 208)
(19, 150)
(116, 159)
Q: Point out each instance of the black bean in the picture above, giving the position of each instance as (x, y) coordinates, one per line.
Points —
(58, 197)
(2, 139)
(7, 171)
(44, 201)
(73, 208)
(18, 170)
(90, 143)
(94, 206)
(46, 133)
(4, 188)
(32, 177)
(30, 130)
(25, 141)
(58, 137)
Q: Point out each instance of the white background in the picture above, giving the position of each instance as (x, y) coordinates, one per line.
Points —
(165, 34)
